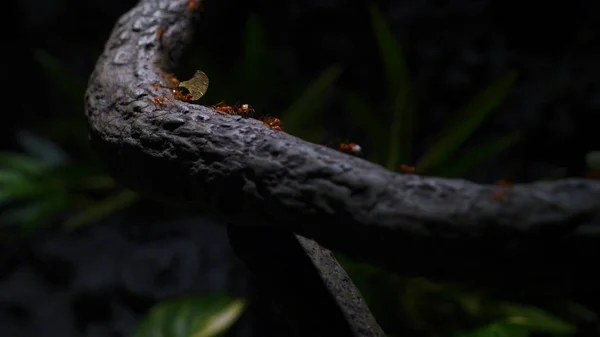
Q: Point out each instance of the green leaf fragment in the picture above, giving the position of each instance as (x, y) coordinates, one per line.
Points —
(197, 85)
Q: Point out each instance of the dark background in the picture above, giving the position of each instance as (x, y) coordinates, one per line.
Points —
(99, 280)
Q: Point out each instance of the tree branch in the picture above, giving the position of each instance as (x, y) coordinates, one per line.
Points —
(312, 291)
(242, 172)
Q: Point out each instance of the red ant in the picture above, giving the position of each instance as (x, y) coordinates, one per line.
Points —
(222, 107)
(408, 169)
(243, 110)
(180, 95)
(351, 148)
(194, 4)
(159, 101)
(501, 194)
(273, 123)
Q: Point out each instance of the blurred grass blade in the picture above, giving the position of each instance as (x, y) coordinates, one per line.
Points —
(205, 316)
(304, 113)
(497, 330)
(463, 164)
(399, 91)
(536, 319)
(102, 209)
(463, 124)
(592, 160)
(258, 71)
(393, 60)
(16, 185)
(399, 119)
(20, 162)
(83, 176)
(45, 150)
(362, 115)
(33, 214)
(66, 80)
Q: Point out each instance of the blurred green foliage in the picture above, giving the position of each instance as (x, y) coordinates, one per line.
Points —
(191, 316)
(592, 160)
(417, 304)
(43, 185)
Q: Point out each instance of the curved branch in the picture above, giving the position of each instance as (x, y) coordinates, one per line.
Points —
(245, 173)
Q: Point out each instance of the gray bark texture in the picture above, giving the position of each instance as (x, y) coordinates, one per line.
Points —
(243, 173)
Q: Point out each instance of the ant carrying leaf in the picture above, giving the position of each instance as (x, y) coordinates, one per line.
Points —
(196, 86)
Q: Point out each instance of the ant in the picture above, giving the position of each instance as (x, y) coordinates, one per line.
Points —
(273, 123)
(171, 79)
(194, 4)
(243, 110)
(180, 95)
(176, 93)
(159, 101)
(351, 148)
(501, 194)
(593, 174)
(408, 169)
(222, 107)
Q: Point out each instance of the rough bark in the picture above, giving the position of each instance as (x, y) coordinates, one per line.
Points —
(244, 173)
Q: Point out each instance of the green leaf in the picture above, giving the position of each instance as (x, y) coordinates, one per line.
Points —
(16, 185)
(82, 176)
(466, 122)
(460, 165)
(523, 321)
(21, 163)
(102, 209)
(205, 316)
(33, 214)
(43, 149)
(399, 90)
(497, 330)
(67, 82)
(303, 113)
(535, 319)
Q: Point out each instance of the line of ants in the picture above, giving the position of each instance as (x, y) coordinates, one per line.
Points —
(246, 111)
